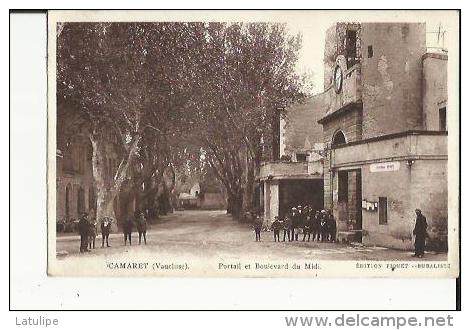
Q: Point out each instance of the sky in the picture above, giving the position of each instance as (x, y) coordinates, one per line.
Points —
(313, 27)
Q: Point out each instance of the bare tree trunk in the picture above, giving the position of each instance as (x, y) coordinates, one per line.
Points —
(249, 189)
(108, 188)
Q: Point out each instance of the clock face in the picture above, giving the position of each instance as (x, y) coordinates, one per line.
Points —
(338, 76)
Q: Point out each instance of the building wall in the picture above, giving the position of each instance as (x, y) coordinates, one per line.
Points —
(434, 89)
(71, 174)
(395, 186)
(74, 170)
(350, 123)
(301, 130)
(429, 191)
(422, 183)
(335, 42)
(213, 201)
(392, 77)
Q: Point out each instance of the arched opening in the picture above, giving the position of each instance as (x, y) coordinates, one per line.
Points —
(339, 138)
(68, 199)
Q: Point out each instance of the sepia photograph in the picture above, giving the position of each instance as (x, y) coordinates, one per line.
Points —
(253, 144)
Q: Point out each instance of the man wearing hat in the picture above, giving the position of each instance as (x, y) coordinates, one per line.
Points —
(142, 228)
(83, 230)
(127, 229)
(105, 230)
(287, 225)
(420, 233)
(323, 225)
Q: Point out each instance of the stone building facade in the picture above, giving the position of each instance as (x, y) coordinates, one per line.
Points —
(74, 180)
(75, 191)
(385, 134)
(379, 131)
(297, 177)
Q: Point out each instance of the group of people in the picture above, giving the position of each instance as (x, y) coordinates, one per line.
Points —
(87, 228)
(140, 222)
(301, 220)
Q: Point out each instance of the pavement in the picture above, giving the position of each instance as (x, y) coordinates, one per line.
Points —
(214, 234)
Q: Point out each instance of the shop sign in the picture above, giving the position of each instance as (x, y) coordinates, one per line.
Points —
(385, 167)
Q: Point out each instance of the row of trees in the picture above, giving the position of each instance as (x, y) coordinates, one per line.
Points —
(199, 96)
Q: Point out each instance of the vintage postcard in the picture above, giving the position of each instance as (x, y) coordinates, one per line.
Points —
(253, 143)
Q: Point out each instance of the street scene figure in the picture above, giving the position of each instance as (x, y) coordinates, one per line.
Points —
(324, 226)
(420, 232)
(306, 223)
(92, 232)
(141, 228)
(331, 226)
(84, 230)
(105, 230)
(127, 228)
(257, 226)
(287, 227)
(276, 228)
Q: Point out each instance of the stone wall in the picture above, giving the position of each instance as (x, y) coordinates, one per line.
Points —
(350, 123)
(335, 42)
(434, 89)
(417, 179)
(392, 77)
(301, 130)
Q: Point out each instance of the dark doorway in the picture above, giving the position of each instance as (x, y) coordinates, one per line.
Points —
(293, 193)
(349, 202)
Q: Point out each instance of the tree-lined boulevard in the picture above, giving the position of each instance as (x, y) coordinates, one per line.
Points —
(173, 97)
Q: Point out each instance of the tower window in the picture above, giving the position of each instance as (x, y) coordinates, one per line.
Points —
(370, 51)
(351, 39)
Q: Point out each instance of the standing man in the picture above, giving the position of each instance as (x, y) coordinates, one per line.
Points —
(316, 226)
(83, 230)
(306, 223)
(127, 229)
(420, 234)
(105, 230)
(257, 226)
(276, 227)
(287, 228)
(323, 226)
(331, 226)
(92, 231)
(142, 228)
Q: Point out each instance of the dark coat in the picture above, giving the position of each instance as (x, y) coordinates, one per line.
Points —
(420, 226)
(141, 224)
(276, 225)
(258, 224)
(92, 231)
(287, 223)
(83, 227)
(128, 226)
(105, 229)
(331, 223)
(296, 220)
(316, 222)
